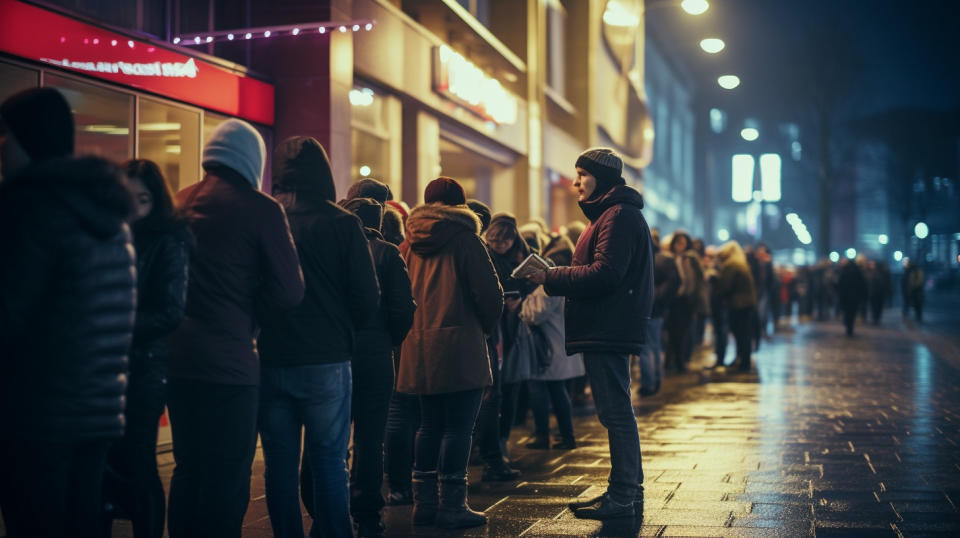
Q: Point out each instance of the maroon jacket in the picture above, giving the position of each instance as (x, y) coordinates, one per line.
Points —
(609, 287)
(245, 264)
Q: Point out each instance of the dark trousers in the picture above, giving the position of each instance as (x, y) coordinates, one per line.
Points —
(52, 489)
(371, 403)
(742, 324)
(609, 375)
(850, 317)
(403, 421)
(488, 421)
(680, 327)
(214, 439)
(543, 394)
(132, 481)
(721, 332)
(508, 409)
(876, 308)
(446, 430)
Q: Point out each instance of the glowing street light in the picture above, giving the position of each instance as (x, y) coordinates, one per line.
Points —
(723, 234)
(728, 82)
(712, 45)
(921, 230)
(897, 255)
(749, 134)
(695, 7)
(851, 253)
(883, 239)
(834, 256)
(770, 177)
(742, 185)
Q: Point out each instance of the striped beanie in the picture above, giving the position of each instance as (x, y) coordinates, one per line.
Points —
(603, 164)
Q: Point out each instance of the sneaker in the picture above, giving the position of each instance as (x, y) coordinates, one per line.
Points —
(605, 508)
(499, 473)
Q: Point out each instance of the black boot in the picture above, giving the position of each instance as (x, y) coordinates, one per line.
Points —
(539, 443)
(604, 508)
(454, 513)
(499, 472)
(425, 499)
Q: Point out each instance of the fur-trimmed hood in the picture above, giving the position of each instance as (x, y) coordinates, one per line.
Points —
(431, 226)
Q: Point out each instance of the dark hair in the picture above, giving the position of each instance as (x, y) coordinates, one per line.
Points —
(676, 237)
(164, 213)
(504, 226)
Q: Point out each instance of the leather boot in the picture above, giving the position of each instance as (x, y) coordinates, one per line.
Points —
(454, 513)
(425, 499)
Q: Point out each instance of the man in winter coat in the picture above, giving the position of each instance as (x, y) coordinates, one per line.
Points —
(852, 292)
(609, 291)
(244, 267)
(67, 302)
(373, 372)
(306, 352)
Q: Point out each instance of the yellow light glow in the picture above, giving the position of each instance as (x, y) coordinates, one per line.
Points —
(618, 14)
(712, 45)
(728, 82)
(159, 126)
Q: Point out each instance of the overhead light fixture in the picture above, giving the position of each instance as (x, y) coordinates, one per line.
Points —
(712, 45)
(695, 7)
(728, 82)
(749, 134)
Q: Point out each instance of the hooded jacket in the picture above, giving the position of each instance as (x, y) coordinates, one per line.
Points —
(67, 301)
(459, 301)
(609, 287)
(377, 338)
(245, 265)
(342, 292)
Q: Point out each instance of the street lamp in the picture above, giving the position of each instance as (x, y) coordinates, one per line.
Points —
(728, 82)
(712, 45)
(851, 253)
(695, 7)
(897, 255)
(883, 239)
(834, 256)
(749, 134)
(921, 230)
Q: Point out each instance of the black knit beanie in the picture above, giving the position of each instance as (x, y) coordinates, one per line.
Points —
(370, 188)
(41, 121)
(605, 165)
(482, 211)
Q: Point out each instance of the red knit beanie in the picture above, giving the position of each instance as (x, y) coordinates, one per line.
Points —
(444, 190)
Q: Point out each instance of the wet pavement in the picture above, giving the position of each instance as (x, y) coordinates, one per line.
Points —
(828, 436)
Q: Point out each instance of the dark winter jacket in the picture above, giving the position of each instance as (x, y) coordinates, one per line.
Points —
(609, 288)
(385, 331)
(245, 265)
(163, 263)
(459, 301)
(666, 283)
(67, 301)
(851, 286)
(736, 285)
(342, 289)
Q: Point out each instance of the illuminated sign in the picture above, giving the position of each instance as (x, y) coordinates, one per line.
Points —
(40, 35)
(458, 79)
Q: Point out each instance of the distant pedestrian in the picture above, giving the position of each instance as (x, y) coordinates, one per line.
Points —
(245, 267)
(306, 352)
(67, 304)
(666, 282)
(736, 290)
(163, 242)
(913, 290)
(445, 359)
(609, 290)
(852, 292)
(373, 376)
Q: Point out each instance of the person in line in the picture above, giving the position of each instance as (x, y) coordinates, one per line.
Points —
(736, 290)
(445, 358)
(880, 290)
(163, 241)
(682, 315)
(244, 267)
(609, 291)
(666, 282)
(373, 378)
(719, 309)
(913, 290)
(507, 249)
(549, 388)
(67, 304)
(851, 291)
(761, 268)
(306, 352)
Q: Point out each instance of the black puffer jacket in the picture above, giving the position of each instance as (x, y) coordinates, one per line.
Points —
(609, 287)
(67, 301)
(342, 291)
(163, 263)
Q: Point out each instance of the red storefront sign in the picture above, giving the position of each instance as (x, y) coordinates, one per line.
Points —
(41, 35)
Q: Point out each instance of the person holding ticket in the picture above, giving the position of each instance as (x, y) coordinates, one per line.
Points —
(609, 291)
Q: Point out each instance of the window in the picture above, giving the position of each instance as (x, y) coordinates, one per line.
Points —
(14, 79)
(375, 118)
(556, 44)
(144, 15)
(170, 136)
(103, 118)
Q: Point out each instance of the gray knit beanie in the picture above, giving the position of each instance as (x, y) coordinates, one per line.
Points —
(238, 146)
(603, 164)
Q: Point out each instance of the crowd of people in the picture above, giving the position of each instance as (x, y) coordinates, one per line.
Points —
(369, 345)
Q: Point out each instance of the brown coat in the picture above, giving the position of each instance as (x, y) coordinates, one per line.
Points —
(459, 301)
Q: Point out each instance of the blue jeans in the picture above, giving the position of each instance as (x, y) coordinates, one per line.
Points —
(609, 375)
(446, 429)
(651, 359)
(315, 398)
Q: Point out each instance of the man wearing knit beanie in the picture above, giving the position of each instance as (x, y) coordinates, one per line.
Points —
(245, 268)
(609, 291)
(444, 190)
(35, 125)
(236, 145)
(483, 213)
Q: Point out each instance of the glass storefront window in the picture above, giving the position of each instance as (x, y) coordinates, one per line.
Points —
(170, 136)
(375, 137)
(103, 117)
(14, 79)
